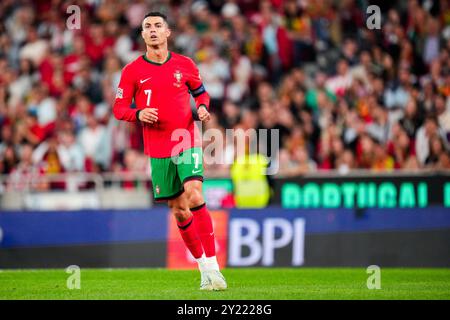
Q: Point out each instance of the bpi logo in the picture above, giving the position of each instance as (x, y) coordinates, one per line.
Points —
(262, 242)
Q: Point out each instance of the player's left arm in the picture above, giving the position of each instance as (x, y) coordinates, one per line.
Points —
(198, 91)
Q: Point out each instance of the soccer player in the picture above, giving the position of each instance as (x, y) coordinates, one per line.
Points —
(161, 82)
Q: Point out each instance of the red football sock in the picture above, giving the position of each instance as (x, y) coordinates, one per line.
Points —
(191, 239)
(204, 226)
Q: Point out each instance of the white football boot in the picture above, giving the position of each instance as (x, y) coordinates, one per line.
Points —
(205, 282)
(211, 277)
(217, 280)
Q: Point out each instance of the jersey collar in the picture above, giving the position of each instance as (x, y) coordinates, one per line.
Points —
(157, 63)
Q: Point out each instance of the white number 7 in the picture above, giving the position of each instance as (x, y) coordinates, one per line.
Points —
(195, 155)
(148, 93)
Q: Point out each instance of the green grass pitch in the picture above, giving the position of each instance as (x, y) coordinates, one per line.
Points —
(248, 284)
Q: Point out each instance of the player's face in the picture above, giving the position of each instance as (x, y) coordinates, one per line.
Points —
(155, 31)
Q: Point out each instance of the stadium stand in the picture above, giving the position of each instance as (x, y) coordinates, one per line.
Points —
(342, 96)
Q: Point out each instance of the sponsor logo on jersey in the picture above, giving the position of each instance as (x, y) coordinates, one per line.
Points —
(142, 81)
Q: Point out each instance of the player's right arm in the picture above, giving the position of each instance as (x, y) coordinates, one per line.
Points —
(124, 97)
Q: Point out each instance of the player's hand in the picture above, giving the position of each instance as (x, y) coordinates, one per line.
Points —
(148, 115)
(203, 114)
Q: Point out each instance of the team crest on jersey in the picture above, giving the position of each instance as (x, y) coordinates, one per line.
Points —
(177, 75)
(119, 93)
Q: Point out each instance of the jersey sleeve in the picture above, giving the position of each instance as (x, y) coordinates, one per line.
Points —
(196, 87)
(124, 97)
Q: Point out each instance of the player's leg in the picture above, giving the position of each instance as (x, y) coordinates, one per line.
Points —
(179, 207)
(186, 225)
(190, 171)
(167, 187)
(203, 221)
(204, 227)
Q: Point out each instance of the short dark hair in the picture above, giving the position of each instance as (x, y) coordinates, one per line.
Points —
(156, 14)
(432, 116)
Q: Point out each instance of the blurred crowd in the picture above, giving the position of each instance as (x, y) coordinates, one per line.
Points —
(342, 96)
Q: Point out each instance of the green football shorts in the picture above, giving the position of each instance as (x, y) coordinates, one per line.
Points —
(169, 174)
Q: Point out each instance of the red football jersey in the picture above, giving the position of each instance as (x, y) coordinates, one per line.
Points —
(167, 87)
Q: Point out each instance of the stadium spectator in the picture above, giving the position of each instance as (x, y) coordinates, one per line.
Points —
(70, 152)
(241, 71)
(412, 118)
(72, 61)
(215, 73)
(133, 164)
(437, 150)
(346, 162)
(91, 139)
(27, 175)
(6, 137)
(21, 82)
(381, 161)
(35, 48)
(429, 129)
(42, 104)
(401, 148)
(380, 128)
(443, 114)
(97, 43)
(231, 115)
(9, 159)
(341, 81)
(298, 24)
(87, 82)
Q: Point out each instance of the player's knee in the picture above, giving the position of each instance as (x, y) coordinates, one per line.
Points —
(195, 197)
(180, 214)
(171, 204)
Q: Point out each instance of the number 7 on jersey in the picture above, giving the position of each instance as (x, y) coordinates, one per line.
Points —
(148, 93)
